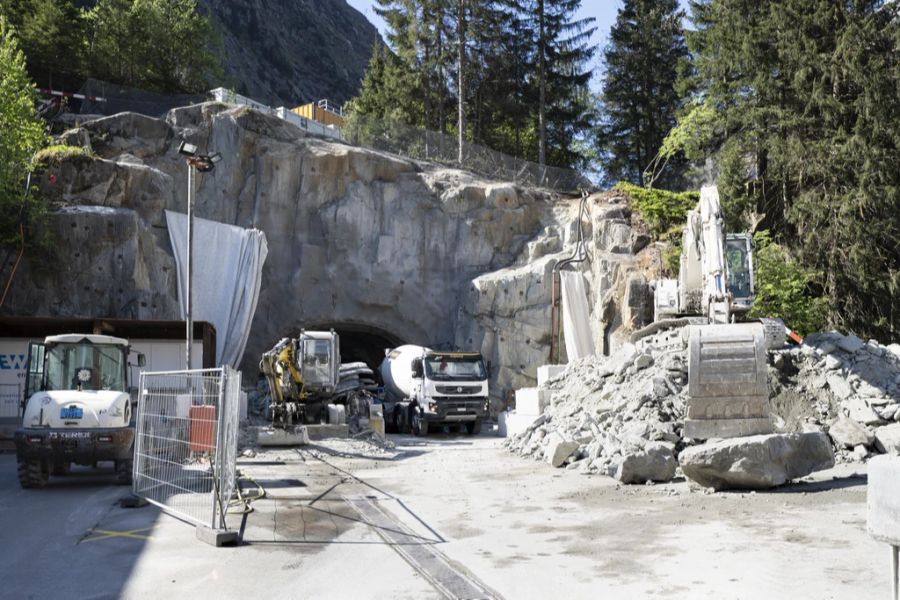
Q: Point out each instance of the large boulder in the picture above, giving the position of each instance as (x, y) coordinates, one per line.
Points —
(654, 463)
(758, 461)
(847, 433)
(558, 450)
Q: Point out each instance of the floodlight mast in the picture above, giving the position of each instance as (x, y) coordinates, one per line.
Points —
(204, 164)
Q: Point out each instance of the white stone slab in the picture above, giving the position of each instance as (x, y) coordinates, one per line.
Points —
(517, 423)
(548, 372)
(883, 499)
(532, 401)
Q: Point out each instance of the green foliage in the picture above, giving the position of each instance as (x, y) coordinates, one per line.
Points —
(415, 82)
(664, 212)
(646, 52)
(21, 134)
(56, 153)
(158, 45)
(803, 125)
(783, 288)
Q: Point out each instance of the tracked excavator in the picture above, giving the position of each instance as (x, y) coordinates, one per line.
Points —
(727, 386)
(309, 384)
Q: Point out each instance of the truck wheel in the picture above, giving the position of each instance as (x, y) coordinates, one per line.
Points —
(123, 471)
(419, 425)
(33, 473)
(61, 468)
(473, 427)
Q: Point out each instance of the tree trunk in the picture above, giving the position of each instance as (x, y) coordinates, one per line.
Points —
(461, 79)
(542, 77)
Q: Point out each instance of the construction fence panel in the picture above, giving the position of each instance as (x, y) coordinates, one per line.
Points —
(186, 442)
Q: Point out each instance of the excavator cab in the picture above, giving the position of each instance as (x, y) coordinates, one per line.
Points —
(739, 268)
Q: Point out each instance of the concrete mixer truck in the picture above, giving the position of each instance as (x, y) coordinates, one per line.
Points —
(425, 389)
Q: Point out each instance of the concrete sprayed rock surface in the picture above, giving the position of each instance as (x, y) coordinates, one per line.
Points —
(756, 461)
(359, 240)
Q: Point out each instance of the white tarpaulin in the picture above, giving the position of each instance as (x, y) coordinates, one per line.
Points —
(226, 277)
(576, 316)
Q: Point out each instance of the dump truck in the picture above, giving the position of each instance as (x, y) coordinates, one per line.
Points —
(77, 408)
(425, 389)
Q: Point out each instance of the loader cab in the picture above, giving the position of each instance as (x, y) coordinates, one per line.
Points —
(83, 362)
(739, 262)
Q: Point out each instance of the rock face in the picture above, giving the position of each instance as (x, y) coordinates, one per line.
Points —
(756, 462)
(359, 240)
(290, 52)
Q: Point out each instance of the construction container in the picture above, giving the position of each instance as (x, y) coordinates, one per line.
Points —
(322, 111)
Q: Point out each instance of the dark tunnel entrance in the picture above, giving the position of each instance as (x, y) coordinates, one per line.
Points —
(362, 343)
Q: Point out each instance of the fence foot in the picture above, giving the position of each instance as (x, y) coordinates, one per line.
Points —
(132, 501)
(217, 537)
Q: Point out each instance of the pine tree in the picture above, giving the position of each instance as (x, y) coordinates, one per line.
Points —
(639, 99)
(21, 134)
(561, 76)
(802, 105)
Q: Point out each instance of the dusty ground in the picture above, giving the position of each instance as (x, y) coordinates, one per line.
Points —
(340, 521)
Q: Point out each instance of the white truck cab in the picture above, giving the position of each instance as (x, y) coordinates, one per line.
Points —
(77, 407)
(426, 388)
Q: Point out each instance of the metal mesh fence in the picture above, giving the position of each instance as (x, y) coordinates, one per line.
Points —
(186, 442)
(422, 144)
(10, 400)
(389, 136)
(119, 98)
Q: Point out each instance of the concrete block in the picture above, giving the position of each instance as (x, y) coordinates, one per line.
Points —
(548, 372)
(501, 423)
(376, 424)
(270, 436)
(532, 401)
(217, 537)
(883, 499)
(516, 423)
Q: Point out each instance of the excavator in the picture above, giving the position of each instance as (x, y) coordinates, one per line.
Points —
(305, 376)
(727, 385)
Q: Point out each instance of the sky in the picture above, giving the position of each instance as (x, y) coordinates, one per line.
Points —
(604, 11)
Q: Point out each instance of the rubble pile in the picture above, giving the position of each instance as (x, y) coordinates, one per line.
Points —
(843, 385)
(623, 415)
(618, 415)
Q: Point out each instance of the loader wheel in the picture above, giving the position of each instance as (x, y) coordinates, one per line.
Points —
(61, 469)
(473, 427)
(123, 471)
(419, 425)
(33, 473)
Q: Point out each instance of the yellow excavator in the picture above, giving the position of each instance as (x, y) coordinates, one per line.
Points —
(303, 374)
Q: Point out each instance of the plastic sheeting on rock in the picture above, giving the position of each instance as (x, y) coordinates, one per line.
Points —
(226, 278)
(576, 316)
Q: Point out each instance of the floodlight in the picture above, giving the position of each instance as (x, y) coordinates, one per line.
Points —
(187, 149)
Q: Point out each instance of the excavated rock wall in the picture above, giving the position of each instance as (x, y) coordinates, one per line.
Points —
(429, 255)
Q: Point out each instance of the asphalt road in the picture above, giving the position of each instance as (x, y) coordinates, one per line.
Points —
(448, 516)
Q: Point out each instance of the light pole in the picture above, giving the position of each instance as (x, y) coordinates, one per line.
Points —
(202, 163)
